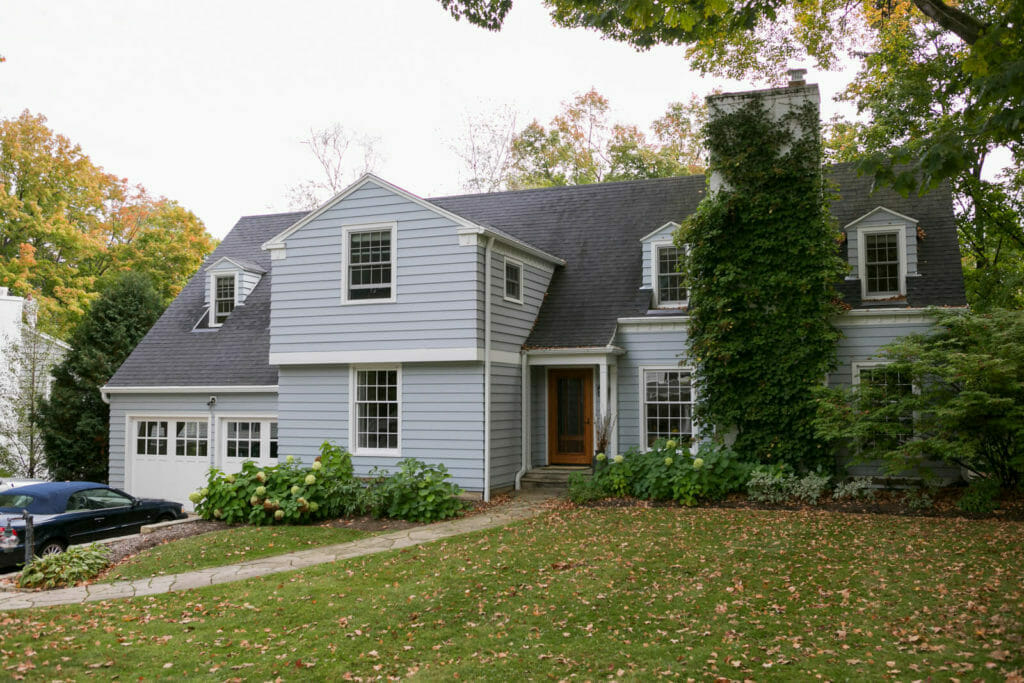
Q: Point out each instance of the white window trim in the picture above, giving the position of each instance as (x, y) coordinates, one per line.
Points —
(862, 259)
(655, 272)
(504, 274)
(346, 247)
(264, 420)
(353, 425)
(642, 397)
(213, 293)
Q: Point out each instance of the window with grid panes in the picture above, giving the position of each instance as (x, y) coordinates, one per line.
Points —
(668, 405)
(376, 409)
(151, 438)
(884, 386)
(273, 439)
(369, 267)
(243, 439)
(882, 263)
(513, 281)
(670, 280)
(224, 298)
(190, 439)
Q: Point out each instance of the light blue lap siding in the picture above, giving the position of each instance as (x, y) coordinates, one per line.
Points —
(655, 347)
(862, 342)
(438, 283)
(506, 424)
(538, 416)
(172, 405)
(511, 322)
(441, 410)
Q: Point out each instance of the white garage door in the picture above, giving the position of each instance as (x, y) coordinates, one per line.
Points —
(170, 458)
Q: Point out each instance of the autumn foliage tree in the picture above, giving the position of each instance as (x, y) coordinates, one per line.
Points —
(67, 226)
(580, 145)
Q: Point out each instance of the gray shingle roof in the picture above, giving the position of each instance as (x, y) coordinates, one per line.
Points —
(595, 228)
(235, 354)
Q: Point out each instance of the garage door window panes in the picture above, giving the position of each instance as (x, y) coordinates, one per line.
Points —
(191, 439)
(151, 438)
(243, 440)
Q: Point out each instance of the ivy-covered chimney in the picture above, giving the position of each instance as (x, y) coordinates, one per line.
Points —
(778, 101)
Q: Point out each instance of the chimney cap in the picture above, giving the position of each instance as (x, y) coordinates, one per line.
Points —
(796, 76)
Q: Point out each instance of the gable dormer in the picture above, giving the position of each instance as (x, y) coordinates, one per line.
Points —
(882, 253)
(228, 282)
(660, 257)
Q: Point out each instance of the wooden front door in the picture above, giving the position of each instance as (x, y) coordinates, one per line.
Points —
(570, 417)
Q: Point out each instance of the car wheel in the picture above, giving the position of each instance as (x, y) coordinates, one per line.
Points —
(165, 517)
(51, 548)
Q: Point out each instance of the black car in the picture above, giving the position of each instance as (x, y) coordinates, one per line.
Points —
(71, 512)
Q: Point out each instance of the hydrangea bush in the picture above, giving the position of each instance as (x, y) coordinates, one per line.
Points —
(288, 493)
(666, 472)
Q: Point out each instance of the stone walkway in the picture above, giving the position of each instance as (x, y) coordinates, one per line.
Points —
(520, 508)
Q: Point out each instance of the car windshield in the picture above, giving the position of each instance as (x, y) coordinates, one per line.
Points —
(17, 500)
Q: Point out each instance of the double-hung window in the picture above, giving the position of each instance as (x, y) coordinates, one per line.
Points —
(667, 405)
(668, 281)
(513, 281)
(370, 263)
(223, 298)
(376, 406)
(882, 388)
(882, 262)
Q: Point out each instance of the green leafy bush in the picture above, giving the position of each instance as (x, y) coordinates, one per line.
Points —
(778, 483)
(285, 493)
(854, 489)
(918, 500)
(967, 406)
(584, 489)
(68, 568)
(981, 497)
(669, 472)
(417, 492)
(712, 474)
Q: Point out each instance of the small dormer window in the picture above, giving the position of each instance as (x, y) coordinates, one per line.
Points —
(224, 298)
(513, 281)
(882, 264)
(669, 289)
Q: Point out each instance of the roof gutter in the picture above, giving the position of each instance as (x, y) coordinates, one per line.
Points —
(510, 241)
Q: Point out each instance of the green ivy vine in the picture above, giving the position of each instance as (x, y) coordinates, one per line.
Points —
(762, 258)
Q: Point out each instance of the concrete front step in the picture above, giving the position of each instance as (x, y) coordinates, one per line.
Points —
(555, 477)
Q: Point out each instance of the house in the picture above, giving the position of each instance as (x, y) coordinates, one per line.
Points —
(493, 333)
(27, 357)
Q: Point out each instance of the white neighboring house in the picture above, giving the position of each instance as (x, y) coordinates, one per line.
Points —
(27, 357)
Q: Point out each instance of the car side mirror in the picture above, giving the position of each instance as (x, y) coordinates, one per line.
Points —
(136, 502)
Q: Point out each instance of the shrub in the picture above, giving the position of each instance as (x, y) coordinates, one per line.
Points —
(967, 407)
(417, 492)
(981, 497)
(68, 568)
(918, 500)
(811, 487)
(285, 493)
(856, 488)
(770, 483)
(712, 474)
(584, 489)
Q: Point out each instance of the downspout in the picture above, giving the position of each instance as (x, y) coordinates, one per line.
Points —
(487, 368)
(524, 420)
(211, 443)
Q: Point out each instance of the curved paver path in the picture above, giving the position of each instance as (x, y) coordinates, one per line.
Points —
(520, 508)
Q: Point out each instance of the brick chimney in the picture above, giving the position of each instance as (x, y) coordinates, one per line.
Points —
(778, 102)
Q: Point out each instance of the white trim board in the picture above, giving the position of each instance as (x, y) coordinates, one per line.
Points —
(441, 355)
(193, 389)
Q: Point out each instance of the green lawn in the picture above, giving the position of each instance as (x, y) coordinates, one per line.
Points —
(230, 546)
(585, 593)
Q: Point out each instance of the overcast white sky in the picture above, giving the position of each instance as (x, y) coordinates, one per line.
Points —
(205, 102)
